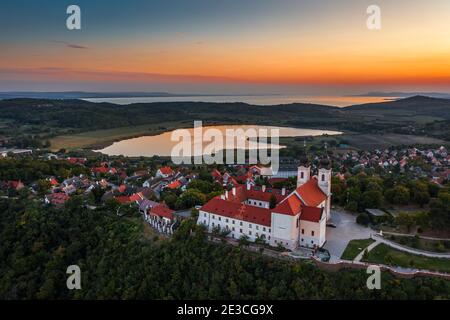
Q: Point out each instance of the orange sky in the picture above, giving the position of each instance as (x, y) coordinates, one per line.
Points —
(413, 47)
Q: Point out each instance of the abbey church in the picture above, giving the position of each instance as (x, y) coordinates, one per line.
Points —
(299, 217)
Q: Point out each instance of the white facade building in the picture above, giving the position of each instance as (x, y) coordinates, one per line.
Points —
(298, 219)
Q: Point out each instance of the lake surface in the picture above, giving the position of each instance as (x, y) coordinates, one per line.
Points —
(162, 144)
(337, 101)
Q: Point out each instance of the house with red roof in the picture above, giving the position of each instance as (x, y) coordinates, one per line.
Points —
(74, 160)
(123, 199)
(53, 182)
(165, 172)
(56, 199)
(163, 212)
(15, 185)
(104, 170)
(298, 218)
(174, 185)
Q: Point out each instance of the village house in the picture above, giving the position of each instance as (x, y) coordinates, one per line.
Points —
(165, 172)
(56, 199)
(15, 152)
(74, 160)
(161, 218)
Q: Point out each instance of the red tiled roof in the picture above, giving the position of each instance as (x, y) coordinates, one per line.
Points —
(264, 196)
(73, 160)
(141, 173)
(238, 211)
(216, 174)
(123, 174)
(243, 194)
(311, 194)
(136, 197)
(162, 211)
(123, 199)
(166, 170)
(240, 195)
(15, 184)
(100, 170)
(290, 206)
(58, 198)
(174, 185)
(312, 214)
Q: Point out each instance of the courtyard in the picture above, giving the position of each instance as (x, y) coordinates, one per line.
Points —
(346, 229)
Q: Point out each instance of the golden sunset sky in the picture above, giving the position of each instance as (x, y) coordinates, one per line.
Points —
(225, 46)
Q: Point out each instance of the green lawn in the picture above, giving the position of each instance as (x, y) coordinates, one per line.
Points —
(354, 247)
(387, 255)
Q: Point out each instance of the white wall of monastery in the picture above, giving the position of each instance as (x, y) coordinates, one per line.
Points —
(284, 230)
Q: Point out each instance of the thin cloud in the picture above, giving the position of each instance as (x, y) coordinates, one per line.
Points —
(70, 45)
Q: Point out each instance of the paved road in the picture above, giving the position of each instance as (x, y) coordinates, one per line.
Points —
(413, 235)
(410, 250)
(346, 229)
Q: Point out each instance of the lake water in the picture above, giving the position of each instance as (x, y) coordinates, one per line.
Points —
(162, 144)
(337, 101)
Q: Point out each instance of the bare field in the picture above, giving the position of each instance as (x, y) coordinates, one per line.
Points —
(373, 141)
(100, 138)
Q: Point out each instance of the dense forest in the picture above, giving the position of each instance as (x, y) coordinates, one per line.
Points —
(118, 262)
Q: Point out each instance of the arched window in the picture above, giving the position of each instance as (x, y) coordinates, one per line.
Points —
(302, 175)
(323, 177)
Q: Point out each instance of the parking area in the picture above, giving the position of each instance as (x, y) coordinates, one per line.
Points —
(346, 229)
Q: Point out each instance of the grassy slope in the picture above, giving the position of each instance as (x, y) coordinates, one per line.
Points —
(354, 247)
(387, 255)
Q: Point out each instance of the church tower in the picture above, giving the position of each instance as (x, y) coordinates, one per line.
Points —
(324, 180)
(303, 173)
(324, 183)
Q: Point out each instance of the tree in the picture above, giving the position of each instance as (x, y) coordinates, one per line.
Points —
(190, 198)
(260, 239)
(170, 199)
(244, 241)
(419, 193)
(201, 185)
(43, 186)
(397, 195)
(272, 201)
(440, 211)
(405, 219)
(433, 189)
(371, 199)
(363, 219)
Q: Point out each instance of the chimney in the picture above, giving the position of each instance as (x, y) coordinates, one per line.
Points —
(234, 191)
(222, 197)
(226, 194)
(283, 191)
(264, 188)
(248, 185)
